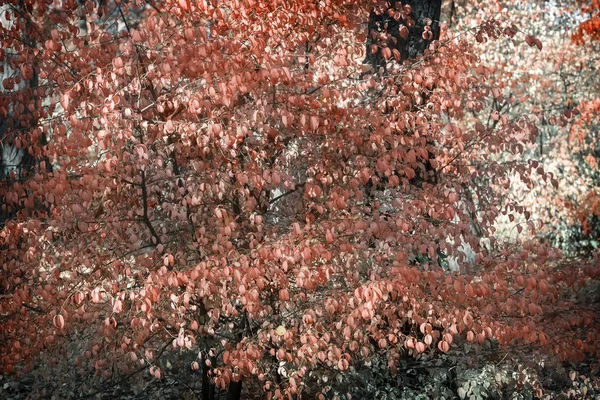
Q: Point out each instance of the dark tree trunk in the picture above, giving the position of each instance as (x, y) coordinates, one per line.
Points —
(402, 26)
(206, 385)
(235, 390)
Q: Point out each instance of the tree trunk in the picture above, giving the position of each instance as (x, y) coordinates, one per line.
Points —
(235, 390)
(206, 385)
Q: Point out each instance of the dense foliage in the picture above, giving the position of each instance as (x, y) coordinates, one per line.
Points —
(284, 194)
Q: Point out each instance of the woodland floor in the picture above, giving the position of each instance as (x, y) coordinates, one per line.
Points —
(186, 385)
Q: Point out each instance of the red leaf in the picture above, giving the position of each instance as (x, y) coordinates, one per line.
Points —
(386, 52)
(64, 101)
(314, 122)
(443, 346)
(184, 5)
(469, 290)
(530, 40)
(428, 339)
(59, 321)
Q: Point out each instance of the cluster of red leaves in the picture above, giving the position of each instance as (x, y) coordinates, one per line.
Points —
(210, 190)
(590, 28)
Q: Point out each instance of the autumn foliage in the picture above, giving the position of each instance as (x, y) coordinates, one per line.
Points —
(590, 27)
(231, 178)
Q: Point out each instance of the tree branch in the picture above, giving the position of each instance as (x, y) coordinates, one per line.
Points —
(145, 217)
(275, 199)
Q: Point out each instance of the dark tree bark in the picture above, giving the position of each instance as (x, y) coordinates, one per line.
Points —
(402, 26)
(234, 391)
(206, 384)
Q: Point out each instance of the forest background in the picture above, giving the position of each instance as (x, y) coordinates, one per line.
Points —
(299, 199)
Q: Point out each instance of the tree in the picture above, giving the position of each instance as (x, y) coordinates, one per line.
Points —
(229, 178)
